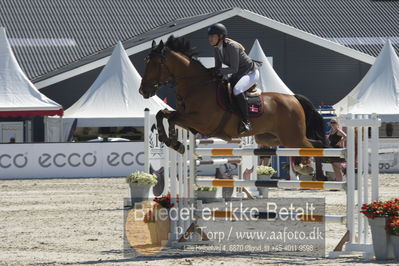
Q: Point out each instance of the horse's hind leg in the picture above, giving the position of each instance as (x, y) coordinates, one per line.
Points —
(294, 136)
(267, 139)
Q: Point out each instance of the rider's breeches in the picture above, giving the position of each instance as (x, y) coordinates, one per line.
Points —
(246, 82)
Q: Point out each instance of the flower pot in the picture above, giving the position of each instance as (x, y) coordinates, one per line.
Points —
(395, 244)
(163, 229)
(264, 191)
(139, 192)
(227, 193)
(206, 196)
(159, 229)
(152, 227)
(381, 239)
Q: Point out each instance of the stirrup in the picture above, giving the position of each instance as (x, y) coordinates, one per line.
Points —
(244, 127)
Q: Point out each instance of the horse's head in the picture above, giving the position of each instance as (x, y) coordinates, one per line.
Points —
(156, 72)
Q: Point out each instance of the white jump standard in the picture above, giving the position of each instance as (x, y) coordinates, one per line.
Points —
(365, 157)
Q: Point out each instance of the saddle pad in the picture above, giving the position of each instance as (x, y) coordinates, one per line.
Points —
(255, 103)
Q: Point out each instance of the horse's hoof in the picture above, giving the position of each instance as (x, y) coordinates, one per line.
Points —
(162, 138)
(303, 169)
(180, 148)
(167, 142)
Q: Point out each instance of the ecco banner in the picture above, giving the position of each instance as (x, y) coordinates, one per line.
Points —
(46, 160)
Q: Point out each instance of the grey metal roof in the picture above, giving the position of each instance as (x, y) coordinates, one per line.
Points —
(49, 34)
(142, 38)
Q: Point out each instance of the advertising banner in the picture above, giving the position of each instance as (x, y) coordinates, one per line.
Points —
(53, 160)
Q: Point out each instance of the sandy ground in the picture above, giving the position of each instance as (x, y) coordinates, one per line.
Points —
(80, 221)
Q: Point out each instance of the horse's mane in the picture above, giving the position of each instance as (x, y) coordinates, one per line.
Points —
(183, 46)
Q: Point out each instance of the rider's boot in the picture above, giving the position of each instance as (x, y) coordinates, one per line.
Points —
(245, 124)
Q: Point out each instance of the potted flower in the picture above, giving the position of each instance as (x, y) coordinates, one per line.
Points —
(377, 213)
(393, 230)
(164, 201)
(206, 194)
(140, 184)
(264, 173)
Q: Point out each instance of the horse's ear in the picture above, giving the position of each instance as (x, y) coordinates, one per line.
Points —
(160, 46)
(153, 45)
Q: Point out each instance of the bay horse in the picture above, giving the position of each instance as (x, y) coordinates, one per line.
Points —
(288, 120)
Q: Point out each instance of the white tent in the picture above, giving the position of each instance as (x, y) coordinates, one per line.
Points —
(112, 100)
(18, 96)
(269, 81)
(378, 91)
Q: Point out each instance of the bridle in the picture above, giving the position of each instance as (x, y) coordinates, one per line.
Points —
(154, 85)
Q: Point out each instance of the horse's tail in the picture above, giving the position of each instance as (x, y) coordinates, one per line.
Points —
(314, 121)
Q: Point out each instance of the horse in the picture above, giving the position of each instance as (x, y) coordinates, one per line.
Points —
(288, 120)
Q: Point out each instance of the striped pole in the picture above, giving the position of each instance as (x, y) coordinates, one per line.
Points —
(228, 214)
(217, 161)
(216, 141)
(300, 152)
(287, 184)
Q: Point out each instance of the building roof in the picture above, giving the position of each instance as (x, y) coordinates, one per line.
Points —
(133, 45)
(49, 34)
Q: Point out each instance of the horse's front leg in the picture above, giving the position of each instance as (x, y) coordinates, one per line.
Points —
(171, 140)
(173, 136)
(162, 136)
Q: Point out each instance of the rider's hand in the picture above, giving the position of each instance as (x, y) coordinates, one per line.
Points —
(216, 73)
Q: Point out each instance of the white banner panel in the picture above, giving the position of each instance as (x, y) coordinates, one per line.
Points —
(52, 160)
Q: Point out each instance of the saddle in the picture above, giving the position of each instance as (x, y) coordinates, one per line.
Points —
(225, 99)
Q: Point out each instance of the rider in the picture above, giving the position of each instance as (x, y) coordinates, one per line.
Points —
(244, 71)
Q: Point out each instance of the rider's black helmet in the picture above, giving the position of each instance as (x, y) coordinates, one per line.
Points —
(217, 28)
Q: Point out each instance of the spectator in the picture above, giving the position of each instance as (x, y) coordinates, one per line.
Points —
(337, 138)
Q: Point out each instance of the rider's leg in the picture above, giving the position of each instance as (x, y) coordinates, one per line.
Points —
(245, 124)
(337, 171)
(246, 82)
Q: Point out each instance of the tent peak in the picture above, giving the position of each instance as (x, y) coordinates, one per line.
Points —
(378, 91)
(269, 81)
(18, 96)
(119, 45)
(114, 94)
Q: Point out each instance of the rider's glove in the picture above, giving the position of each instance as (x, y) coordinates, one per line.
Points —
(216, 73)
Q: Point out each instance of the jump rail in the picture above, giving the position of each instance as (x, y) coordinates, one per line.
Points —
(311, 152)
(272, 184)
